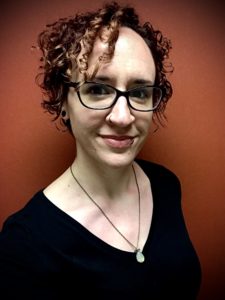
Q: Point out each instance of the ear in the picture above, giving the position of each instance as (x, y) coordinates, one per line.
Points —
(65, 118)
(64, 111)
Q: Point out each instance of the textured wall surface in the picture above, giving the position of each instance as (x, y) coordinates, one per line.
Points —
(34, 152)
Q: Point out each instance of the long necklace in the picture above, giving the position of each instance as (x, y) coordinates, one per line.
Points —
(139, 255)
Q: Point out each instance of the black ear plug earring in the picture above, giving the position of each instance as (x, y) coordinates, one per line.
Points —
(63, 113)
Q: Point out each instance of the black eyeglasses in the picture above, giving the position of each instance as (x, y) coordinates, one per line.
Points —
(101, 96)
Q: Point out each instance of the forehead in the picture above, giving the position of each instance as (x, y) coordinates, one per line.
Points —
(132, 57)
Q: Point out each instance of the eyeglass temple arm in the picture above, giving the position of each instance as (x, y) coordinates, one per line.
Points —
(73, 84)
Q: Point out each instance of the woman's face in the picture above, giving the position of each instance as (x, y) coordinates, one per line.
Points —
(114, 136)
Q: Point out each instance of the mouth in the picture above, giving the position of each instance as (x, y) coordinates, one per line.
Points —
(118, 141)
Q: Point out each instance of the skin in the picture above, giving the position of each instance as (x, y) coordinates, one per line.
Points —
(97, 137)
(107, 142)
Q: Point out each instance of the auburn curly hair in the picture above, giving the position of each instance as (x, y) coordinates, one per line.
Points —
(61, 43)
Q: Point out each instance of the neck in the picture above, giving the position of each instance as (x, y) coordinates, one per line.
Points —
(139, 255)
(112, 182)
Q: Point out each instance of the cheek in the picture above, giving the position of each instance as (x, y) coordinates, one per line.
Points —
(84, 121)
(144, 122)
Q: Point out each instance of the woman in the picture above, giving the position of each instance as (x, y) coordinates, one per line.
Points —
(110, 225)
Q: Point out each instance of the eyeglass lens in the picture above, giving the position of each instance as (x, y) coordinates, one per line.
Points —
(102, 96)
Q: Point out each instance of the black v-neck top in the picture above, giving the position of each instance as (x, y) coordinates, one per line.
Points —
(46, 254)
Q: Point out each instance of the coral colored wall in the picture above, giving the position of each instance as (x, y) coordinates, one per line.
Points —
(34, 152)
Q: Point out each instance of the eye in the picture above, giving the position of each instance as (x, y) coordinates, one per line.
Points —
(142, 93)
(96, 90)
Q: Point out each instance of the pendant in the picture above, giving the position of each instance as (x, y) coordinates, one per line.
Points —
(140, 256)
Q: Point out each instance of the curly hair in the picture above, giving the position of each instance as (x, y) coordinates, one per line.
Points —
(61, 44)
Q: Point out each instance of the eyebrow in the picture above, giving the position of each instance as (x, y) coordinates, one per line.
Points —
(143, 81)
(103, 78)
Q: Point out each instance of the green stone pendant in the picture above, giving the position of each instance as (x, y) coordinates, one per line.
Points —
(140, 256)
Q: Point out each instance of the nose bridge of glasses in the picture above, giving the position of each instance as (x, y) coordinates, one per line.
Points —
(122, 94)
(121, 113)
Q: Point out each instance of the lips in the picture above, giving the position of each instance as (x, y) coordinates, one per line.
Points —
(118, 141)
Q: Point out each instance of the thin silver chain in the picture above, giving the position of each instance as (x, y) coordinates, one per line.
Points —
(102, 211)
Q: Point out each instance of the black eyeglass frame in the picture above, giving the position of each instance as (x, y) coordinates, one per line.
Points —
(119, 93)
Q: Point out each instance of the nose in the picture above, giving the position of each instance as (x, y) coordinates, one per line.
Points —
(121, 114)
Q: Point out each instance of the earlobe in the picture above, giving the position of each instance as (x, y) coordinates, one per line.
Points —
(65, 118)
(63, 113)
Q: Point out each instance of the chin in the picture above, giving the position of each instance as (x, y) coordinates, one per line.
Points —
(118, 160)
(118, 157)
